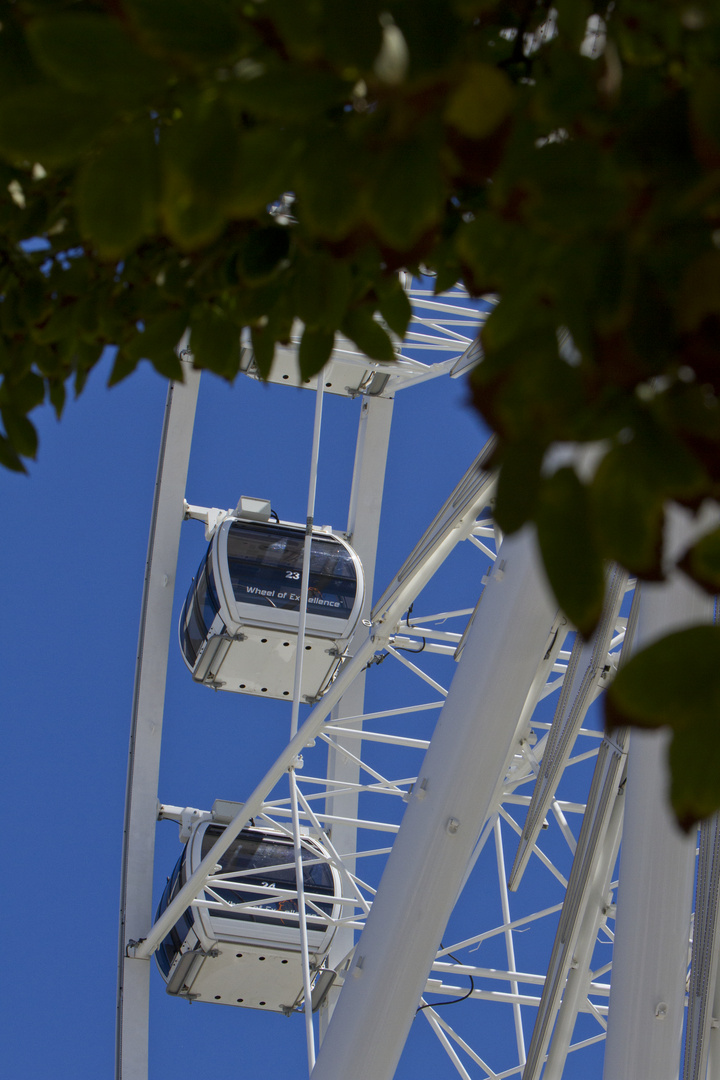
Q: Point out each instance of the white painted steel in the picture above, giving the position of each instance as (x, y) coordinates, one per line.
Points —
(588, 668)
(702, 1008)
(424, 873)
(656, 877)
(343, 767)
(449, 527)
(146, 728)
(463, 774)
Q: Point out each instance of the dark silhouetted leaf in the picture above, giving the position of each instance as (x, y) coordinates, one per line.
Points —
(481, 101)
(20, 431)
(117, 193)
(293, 93)
(92, 54)
(263, 344)
(571, 559)
(264, 252)
(204, 32)
(57, 394)
(367, 334)
(49, 124)
(327, 185)
(17, 67)
(394, 305)
(629, 490)
(676, 683)
(9, 458)
(315, 349)
(157, 343)
(123, 366)
(25, 393)
(408, 193)
(518, 484)
(702, 562)
(199, 166)
(215, 342)
(321, 290)
(260, 175)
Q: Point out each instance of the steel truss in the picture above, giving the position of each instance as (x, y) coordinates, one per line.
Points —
(472, 803)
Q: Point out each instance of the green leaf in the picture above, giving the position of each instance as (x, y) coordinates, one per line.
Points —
(205, 32)
(87, 354)
(572, 19)
(199, 166)
(117, 193)
(570, 556)
(367, 334)
(352, 34)
(628, 492)
(123, 366)
(215, 342)
(17, 67)
(700, 290)
(24, 394)
(518, 484)
(57, 395)
(9, 458)
(676, 683)
(408, 193)
(92, 54)
(290, 93)
(480, 102)
(20, 432)
(628, 514)
(260, 171)
(328, 186)
(321, 290)
(264, 252)
(394, 305)
(702, 562)
(60, 325)
(49, 124)
(263, 343)
(315, 349)
(159, 337)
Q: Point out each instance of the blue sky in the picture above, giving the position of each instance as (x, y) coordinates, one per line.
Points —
(74, 540)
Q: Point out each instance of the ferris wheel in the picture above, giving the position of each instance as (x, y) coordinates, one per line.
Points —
(434, 851)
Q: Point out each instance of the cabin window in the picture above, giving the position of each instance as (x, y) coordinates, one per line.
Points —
(272, 862)
(201, 607)
(265, 564)
(171, 945)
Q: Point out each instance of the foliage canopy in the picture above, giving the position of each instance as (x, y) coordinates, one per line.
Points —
(564, 156)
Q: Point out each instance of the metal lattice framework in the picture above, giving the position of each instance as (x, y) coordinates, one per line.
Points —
(458, 778)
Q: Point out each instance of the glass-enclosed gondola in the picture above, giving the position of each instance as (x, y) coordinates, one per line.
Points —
(239, 625)
(241, 945)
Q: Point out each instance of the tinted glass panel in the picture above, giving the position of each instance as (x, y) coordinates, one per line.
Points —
(265, 564)
(172, 944)
(198, 614)
(269, 857)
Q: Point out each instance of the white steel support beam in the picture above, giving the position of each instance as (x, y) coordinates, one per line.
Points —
(656, 878)
(702, 1007)
(459, 788)
(131, 1062)
(363, 527)
(586, 671)
(600, 850)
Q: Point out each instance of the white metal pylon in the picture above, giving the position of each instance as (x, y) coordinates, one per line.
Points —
(365, 780)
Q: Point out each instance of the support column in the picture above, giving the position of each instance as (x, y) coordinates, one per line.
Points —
(650, 954)
(131, 1044)
(458, 788)
(363, 527)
